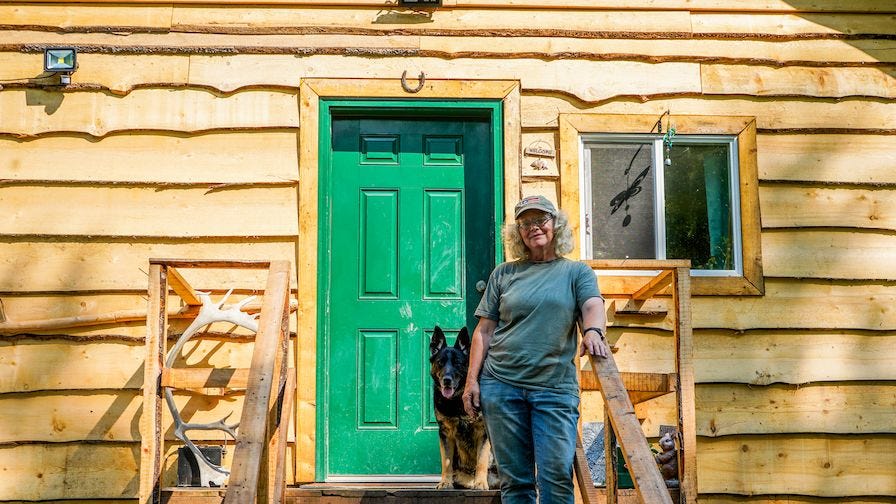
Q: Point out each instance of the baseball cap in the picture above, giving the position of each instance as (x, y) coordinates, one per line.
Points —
(536, 202)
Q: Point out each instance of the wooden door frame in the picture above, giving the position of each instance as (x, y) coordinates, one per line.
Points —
(315, 97)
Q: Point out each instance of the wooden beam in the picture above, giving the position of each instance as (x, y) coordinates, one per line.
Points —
(583, 475)
(152, 447)
(212, 263)
(646, 475)
(251, 441)
(180, 285)
(633, 382)
(118, 317)
(656, 284)
(637, 264)
(687, 422)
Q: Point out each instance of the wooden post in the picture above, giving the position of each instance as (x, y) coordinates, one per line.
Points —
(687, 422)
(642, 466)
(611, 478)
(151, 442)
(252, 439)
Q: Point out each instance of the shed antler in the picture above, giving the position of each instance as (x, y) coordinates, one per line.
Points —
(209, 313)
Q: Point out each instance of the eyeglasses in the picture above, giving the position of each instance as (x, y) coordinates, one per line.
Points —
(534, 222)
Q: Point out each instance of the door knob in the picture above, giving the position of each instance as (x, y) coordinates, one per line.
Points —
(480, 286)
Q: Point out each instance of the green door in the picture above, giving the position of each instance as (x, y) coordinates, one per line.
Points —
(411, 230)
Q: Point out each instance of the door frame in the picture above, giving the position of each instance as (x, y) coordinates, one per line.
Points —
(498, 100)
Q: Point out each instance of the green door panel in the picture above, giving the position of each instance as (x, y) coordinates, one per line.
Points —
(409, 231)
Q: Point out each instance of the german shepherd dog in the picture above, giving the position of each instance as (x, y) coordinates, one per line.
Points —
(463, 442)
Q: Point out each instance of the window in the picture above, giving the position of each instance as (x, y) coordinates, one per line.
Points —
(630, 195)
(643, 199)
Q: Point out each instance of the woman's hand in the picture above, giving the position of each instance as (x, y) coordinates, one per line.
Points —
(471, 397)
(595, 345)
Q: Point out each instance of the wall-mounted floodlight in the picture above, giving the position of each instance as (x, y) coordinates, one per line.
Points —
(62, 61)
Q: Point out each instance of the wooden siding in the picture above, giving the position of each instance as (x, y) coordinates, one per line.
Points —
(179, 137)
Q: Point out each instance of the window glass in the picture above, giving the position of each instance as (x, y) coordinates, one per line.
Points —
(650, 200)
(698, 206)
(623, 201)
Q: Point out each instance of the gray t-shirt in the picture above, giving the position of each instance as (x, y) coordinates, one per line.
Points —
(536, 305)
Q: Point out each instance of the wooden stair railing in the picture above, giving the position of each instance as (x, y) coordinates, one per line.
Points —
(258, 468)
(620, 391)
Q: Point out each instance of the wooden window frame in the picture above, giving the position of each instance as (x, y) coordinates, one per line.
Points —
(573, 126)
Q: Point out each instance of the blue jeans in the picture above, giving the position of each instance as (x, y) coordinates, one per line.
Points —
(529, 429)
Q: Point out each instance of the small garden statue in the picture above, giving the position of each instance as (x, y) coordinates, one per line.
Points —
(667, 460)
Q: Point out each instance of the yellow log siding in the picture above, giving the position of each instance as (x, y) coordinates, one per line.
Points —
(179, 137)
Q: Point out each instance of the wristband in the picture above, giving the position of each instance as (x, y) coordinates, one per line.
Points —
(598, 330)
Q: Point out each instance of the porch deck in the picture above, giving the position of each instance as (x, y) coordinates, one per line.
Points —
(322, 493)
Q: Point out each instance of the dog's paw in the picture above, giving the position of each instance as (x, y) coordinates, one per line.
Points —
(479, 484)
(445, 485)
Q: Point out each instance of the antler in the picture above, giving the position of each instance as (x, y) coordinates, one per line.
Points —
(209, 313)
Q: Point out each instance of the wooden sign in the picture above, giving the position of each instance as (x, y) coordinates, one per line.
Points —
(540, 148)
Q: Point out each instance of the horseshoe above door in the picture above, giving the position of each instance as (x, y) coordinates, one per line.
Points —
(406, 87)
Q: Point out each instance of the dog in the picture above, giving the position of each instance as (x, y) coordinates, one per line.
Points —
(463, 441)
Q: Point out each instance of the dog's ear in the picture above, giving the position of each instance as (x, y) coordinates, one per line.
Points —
(437, 342)
(462, 342)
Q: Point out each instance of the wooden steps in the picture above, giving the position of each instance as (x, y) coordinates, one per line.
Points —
(319, 493)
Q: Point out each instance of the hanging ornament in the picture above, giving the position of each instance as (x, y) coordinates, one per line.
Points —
(667, 141)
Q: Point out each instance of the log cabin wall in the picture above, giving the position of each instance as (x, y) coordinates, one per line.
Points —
(178, 137)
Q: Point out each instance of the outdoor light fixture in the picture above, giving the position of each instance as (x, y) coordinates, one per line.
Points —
(62, 61)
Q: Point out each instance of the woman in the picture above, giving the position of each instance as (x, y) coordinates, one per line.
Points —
(522, 360)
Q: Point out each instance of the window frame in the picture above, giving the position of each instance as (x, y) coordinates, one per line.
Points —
(576, 128)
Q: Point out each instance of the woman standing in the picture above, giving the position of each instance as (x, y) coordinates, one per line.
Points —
(522, 362)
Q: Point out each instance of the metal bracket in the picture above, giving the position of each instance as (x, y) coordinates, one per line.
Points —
(404, 82)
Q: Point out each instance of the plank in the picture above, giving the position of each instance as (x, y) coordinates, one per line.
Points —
(103, 415)
(787, 304)
(152, 438)
(803, 304)
(79, 471)
(684, 366)
(541, 111)
(791, 499)
(186, 17)
(68, 16)
(31, 365)
(638, 457)
(69, 471)
(97, 69)
(793, 24)
(145, 109)
(147, 211)
(839, 408)
(869, 159)
(119, 325)
(797, 81)
(633, 382)
(264, 373)
(215, 158)
(195, 378)
(823, 253)
(97, 265)
(587, 80)
(795, 357)
(824, 466)
(819, 206)
(700, 5)
(183, 289)
(659, 282)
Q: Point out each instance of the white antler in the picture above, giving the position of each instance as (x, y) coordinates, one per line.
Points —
(209, 313)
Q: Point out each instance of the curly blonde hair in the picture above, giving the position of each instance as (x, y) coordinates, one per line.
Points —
(563, 238)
